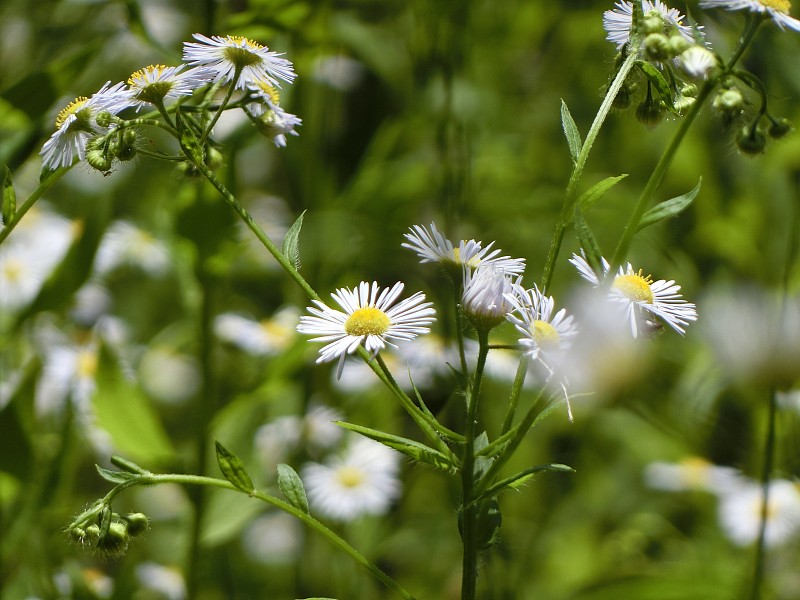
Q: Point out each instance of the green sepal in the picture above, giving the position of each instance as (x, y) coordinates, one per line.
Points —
(655, 77)
(591, 196)
(571, 132)
(290, 247)
(413, 449)
(233, 469)
(291, 487)
(587, 239)
(669, 208)
(520, 479)
(9, 207)
(128, 465)
(114, 476)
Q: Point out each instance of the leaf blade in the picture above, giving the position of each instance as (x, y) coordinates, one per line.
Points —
(233, 469)
(291, 242)
(571, 132)
(669, 208)
(291, 486)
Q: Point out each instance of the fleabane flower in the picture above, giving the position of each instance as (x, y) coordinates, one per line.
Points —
(619, 21)
(261, 338)
(156, 83)
(697, 61)
(369, 319)
(76, 124)
(362, 481)
(232, 56)
(485, 295)
(740, 512)
(268, 115)
(432, 246)
(641, 297)
(777, 10)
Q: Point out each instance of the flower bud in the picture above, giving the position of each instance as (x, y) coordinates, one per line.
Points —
(97, 159)
(656, 45)
(103, 119)
(213, 158)
(649, 113)
(678, 44)
(77, 535)
(187, 168)
(137, 523)
(653, 23)
(116, 539)
(689, 90)
(779, 127)
(93, 534)
(751, 140)
(623, 98)
(730, 100)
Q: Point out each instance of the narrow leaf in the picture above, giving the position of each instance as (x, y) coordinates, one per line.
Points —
(9, 207)
(128, 465)
(669, 208)
(443, 431)
(291, 241)
(655, 77)
(590, 197)
(587, 239)
(233, 469)
(291, 486)
(114, 476)
(570, 132)
(416, 450)
(520, 479)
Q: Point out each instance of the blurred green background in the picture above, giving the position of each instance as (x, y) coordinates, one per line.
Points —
(413, 111)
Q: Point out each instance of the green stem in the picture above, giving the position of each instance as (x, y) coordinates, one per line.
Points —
(571, 195)
(516, 389)
(320, 528)
(222, 105)
(469, 514)
(48, 181)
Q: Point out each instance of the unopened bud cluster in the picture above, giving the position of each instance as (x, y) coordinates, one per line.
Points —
(100, 529)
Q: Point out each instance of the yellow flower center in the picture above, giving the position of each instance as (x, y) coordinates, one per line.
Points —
(545, 335)
(779, 5)
(367, 320)
(270, 91)
(87, 363)
(472, 262)
(244, 52)
(696, 470)
(13, 270)
(71, 109)
(635, 287)
(350, 477)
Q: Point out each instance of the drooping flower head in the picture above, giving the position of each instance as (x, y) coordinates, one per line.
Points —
(485, 295)
(229, 56)
(156, 83)
(619, 21)
(777, 10)
(268, 115)
(76, 124)
(432, 246)
(367, 318)
(642, 298)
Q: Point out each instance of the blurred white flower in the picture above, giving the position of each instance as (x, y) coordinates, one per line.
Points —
(740, 512)
(283, 436)
(691, 474)
(168, 582)
(91, 302)
(777, 10)
(168, 375)
(273, 539)
(261, 338)
(619, 21)
(363, 481)
(126, 244)
(697, 61)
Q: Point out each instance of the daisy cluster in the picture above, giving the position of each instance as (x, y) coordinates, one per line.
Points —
(741, 499)
(491, 292)
(88, 127)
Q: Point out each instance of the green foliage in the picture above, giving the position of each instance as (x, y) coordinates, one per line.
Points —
(233, 469)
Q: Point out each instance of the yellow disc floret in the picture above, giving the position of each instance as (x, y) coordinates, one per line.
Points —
(367, 321)
(635, 287)
(71, 109)
(87, 363)
(545, 335)
(244, 52)
(779, 5)
(350, 477)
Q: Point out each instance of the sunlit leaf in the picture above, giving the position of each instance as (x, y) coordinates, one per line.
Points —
(669, 208)
(233, 469)
(291, 486)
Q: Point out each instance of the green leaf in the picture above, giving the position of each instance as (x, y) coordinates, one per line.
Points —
(587, 239)
(290, 247)
(128, 465)
(489, 521)
(655, 77)
(233, 469)
(669, 208)
(523, 477)
(114, 476)
(9, 207)
(591, 196)
(291, 486)
(570, 132)
(411, 448)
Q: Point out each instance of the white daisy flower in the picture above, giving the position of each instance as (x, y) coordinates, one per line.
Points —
(224, 56)
(368, 318)
(364, 481)
(697, 61)
(485, 295)
(167, 582)
(619, 21)
(432, 246)
(126, 244)
(275, 538)
(740, 513)
(260, 338)
(641, 297)
(76, 125)
(156, 83)
(266, 112)
(544, 333)
(777, 10)
(691, 474)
